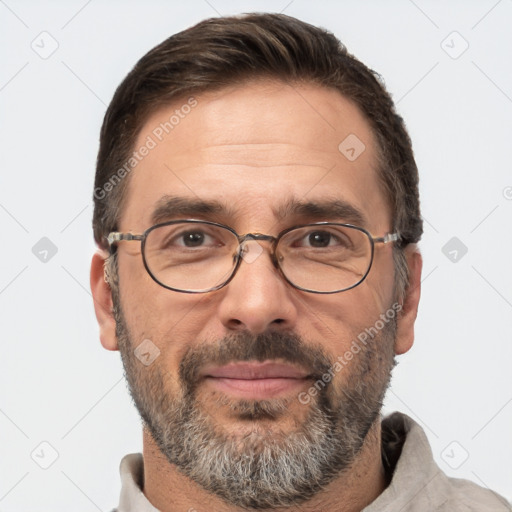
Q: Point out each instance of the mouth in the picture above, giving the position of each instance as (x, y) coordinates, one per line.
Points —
(256, 380)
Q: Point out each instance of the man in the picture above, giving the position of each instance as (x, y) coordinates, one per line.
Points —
(257, 210)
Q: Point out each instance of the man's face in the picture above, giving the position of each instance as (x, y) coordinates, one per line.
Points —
(236, 366)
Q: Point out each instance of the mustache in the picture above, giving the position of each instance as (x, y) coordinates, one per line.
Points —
(244, 346)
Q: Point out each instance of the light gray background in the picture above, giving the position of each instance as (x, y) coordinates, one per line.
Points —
(57, 384)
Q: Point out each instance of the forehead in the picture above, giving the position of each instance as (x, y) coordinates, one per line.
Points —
(255, 149)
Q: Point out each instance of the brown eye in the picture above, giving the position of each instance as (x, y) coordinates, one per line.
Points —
(193, 238)
(319, 239)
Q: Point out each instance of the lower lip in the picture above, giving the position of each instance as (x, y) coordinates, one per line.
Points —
(257, 389)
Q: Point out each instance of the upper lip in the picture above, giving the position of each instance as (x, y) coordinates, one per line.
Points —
(255, 370)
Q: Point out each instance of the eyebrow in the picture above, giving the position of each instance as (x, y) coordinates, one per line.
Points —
(168, 207)
(336, 209)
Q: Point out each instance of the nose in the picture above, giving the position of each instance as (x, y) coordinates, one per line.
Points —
(257, 298)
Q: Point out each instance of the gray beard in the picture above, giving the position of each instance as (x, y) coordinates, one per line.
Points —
(265, 468)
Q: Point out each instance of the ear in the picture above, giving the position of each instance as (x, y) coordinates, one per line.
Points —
(407, 317)
(102, 296)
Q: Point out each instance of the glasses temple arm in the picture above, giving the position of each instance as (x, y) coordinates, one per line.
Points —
(388, 238)
(114, 237)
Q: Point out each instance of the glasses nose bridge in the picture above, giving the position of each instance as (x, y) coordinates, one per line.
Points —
(258, 237)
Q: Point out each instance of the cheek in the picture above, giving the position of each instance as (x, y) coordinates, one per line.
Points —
(172, 322)
(148, 307)
(344, 313)
(335, 322)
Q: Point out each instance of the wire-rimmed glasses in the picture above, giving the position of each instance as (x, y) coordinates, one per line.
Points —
(197, 256)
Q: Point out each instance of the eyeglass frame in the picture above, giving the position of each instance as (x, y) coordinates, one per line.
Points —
(114, 237)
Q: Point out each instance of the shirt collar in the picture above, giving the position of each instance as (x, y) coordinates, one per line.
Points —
(415, 472)
(132, 477)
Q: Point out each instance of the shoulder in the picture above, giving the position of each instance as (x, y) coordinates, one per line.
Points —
(465, 496)
(418, 483)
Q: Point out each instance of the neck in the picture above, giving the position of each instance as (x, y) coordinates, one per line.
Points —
(169, 490)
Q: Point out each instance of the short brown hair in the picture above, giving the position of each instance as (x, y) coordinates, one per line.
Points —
(227, 51)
